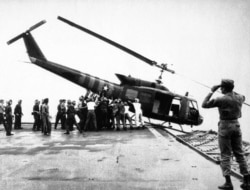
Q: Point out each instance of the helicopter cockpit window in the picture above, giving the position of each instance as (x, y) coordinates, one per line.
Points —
(193, 110)
(175, 107)
(193, 104)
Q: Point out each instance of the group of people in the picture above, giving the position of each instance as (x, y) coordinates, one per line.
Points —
(97, 113)
(94, 112)
(6, 116)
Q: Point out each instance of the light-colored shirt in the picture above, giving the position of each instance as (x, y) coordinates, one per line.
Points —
(137, 107)
(45, 110)
(126, 108)
(1, 108)
(91, 105)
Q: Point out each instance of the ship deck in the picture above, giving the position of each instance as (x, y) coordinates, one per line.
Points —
(132, 159)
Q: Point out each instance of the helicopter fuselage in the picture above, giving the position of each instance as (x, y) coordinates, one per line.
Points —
(157, 102)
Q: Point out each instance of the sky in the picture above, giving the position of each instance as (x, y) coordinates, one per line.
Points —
(203, 41)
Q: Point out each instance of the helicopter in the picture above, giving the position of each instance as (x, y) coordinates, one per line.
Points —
(157, 102)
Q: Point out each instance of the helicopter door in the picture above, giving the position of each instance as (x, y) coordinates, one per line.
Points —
(175, 107)
(184, 108)
(189, 110)
(162, 103)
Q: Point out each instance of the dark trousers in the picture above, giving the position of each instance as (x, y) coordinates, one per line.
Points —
(103, 122)
(91, 119)
(62, 118)
(2, 118)
(8, 125)
(37, 123)
(70, 122)
(230, 140)
(17, 124)
(46, 125)
(118, 118)
(2, 121)
(81, 124)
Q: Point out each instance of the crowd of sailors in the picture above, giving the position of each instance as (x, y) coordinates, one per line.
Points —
(95, 112)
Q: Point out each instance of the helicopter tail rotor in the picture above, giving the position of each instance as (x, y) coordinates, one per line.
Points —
(29, 30)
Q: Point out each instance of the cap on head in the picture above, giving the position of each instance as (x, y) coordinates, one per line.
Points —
(46, 100)
(227, 83)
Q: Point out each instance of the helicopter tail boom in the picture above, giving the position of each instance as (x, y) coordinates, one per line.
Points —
(85, 80)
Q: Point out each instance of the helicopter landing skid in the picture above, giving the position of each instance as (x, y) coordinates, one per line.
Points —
(168, 127)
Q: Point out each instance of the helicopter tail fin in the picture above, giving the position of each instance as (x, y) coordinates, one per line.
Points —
(33, 49)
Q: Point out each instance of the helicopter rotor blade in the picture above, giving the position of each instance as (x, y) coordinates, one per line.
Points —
(129, 51)
(204, 85)
(29, 30)
(37, 25)
(15, 38)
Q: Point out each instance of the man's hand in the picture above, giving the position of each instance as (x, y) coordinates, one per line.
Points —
(214, 88)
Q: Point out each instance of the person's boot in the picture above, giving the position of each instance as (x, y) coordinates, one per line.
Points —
(228, 184)
(67, 133)
(79, 128)
(246, 182)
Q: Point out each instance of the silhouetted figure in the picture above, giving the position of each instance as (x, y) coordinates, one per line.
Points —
(230, 136)
(138, 113)
(36, 115)
(91, 116)
(18, 115)
(61, 114)
(46, 117)
(9, 117)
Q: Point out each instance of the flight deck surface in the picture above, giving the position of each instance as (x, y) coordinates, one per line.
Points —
(132, 159)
